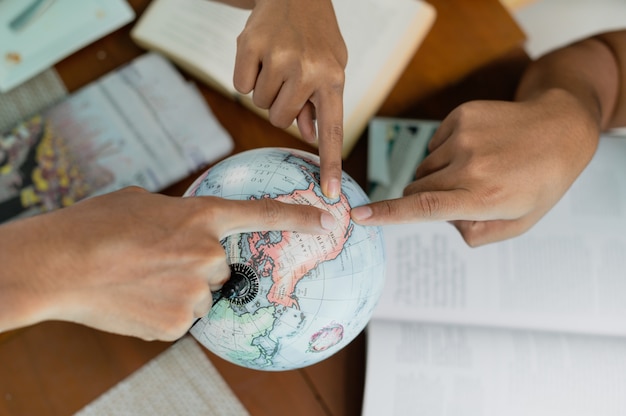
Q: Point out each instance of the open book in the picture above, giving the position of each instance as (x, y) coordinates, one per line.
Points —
(142, 124)
(534, 325)
(381, 37)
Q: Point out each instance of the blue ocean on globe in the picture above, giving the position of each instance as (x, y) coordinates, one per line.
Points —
(294, 299)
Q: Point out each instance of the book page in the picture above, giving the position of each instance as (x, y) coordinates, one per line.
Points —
(438, 370)
(198, 35)
(566, 273)
(381, 38)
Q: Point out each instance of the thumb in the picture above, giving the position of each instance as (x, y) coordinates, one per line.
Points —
(270, 215)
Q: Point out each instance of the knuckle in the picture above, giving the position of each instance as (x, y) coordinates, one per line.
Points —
(335, 77)
(308, 215)
(271, 211)
(246, 43)
(241, 40)
(218, 255)
(334, 81)
(426, 204)
(463, 143)
(172, 326)
(288, 60)
(470, 237)
(178, 326)
(333, 134)
(197, 289)
(333, 166)
(466, 111)
(334, 170)
(342, 56)
(220, 271)
(332, 73)
(280, 118)
(218, 280)
(469, 232)
(260, 100)
(476, 170)
(204, 210)
(466, 145)
(386, 209)
(495, 196)
(150, 336)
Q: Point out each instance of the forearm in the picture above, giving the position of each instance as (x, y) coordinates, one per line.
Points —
(22, 301)
(592, 71)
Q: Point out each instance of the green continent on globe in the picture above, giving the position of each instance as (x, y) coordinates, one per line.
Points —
(244, 330)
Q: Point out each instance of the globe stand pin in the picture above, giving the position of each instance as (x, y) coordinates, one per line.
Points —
(241, 288)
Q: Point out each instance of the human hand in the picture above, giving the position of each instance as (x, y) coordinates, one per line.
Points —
(132, 262)
(495, 168)
(292, 56)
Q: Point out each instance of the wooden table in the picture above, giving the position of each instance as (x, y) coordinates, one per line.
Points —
(475, 50)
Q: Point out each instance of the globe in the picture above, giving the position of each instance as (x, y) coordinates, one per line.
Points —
(292, 299)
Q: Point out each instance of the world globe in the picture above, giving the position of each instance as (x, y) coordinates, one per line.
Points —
(292, 299)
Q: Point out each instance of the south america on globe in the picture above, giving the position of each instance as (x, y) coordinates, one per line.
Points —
(293, 299)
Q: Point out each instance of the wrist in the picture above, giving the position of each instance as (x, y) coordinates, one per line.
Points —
(568, 122)
(564, 106)
(582, 107)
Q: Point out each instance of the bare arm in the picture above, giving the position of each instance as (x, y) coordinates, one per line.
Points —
(495, 168)
(130, 262)
(593, 71)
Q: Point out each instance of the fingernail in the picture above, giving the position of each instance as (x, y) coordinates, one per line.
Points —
(333, 189)
(362, 213)
(328, 221)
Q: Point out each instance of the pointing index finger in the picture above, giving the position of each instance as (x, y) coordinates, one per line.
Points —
(418, 207)
(233, 217)
(330, 131)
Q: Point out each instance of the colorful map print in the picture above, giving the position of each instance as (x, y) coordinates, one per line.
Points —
(315, 293)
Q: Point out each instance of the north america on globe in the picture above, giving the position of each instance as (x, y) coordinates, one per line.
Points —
(301, 297)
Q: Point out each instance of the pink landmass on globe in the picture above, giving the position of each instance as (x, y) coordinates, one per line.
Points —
(266, 253)
(325, 338)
